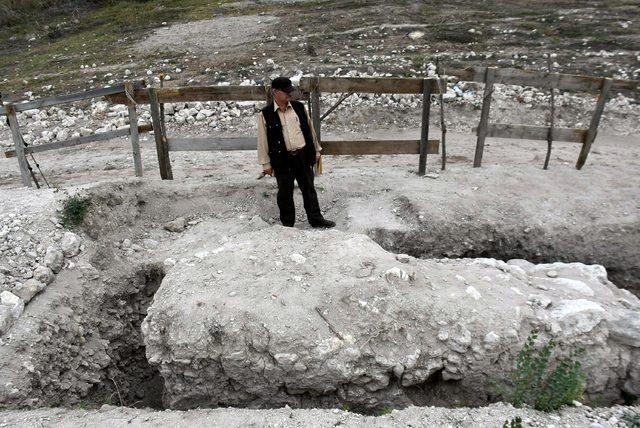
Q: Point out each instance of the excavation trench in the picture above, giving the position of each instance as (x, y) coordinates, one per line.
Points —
(129, 380)
(615, 251)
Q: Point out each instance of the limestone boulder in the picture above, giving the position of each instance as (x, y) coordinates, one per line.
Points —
(54, 259)
(29, 289)
(325, 318)
(70, 244)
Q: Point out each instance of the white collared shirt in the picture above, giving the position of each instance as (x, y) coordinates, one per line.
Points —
(291, 130)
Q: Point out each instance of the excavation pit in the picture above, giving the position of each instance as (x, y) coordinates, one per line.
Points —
(195, 356)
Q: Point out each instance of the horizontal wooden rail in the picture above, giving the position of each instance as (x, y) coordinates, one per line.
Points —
(202, 93)
(211, 143)
(359, 147)
(568, 82)
(63, 99)
(378, 147)
(525, 132)
(102, 136)
(376, 85)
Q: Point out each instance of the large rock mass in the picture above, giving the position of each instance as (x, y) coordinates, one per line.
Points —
(307, 318)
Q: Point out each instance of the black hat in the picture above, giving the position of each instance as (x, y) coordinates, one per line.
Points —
(283, 84)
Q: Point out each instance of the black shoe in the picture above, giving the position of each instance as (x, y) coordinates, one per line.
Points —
(324, 223)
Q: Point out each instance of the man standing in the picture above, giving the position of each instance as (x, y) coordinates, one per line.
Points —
(288, 148)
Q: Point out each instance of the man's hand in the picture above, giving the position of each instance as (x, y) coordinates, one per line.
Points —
(317, 156)
(268, 171)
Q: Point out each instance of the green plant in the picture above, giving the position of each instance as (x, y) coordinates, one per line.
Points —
(534, 384)
(513, 423)
(265, 194)
(385, 411)
(631, 419)
(73, 210)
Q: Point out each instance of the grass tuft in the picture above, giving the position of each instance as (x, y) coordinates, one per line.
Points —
(74, 210)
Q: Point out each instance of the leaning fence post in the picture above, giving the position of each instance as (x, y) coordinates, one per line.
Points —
(162, 148)
(315, 111)
(424, 135)
(17, 141)
(595, 121)
(484, 115)
(133, 129)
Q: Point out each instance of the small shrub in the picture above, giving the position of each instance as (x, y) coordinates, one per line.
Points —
(513, 423)
(534, 384)
(74, 210)
(385, 411)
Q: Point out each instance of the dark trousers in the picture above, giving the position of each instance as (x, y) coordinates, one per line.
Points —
(299, 169)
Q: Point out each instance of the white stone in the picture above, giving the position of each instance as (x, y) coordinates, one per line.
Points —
(473, 292)
(70, 244)
(297, 258)
(177, 225)
(150, 243)
(12, 301)
(29, 289)
(54, 259)
(394, 274)
(575, 317)
(44, 274)
(626, 328)
(575, 285)
(491, 340)
(403, 258)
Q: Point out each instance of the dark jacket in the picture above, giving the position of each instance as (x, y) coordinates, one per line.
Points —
(275, 136)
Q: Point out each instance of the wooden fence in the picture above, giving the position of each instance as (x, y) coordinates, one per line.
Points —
(310, 90)
(552, 81)
(21, 150)
(164, 144)
(349, 85)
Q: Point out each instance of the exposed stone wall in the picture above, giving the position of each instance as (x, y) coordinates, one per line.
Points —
(241, 326)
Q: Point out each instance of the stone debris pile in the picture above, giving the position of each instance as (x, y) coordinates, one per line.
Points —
(31, 254)
(283, 316)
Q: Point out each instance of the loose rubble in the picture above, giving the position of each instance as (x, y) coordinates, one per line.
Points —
(30, 257)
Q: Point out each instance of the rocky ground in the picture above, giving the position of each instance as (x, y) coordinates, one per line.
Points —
(492, 416)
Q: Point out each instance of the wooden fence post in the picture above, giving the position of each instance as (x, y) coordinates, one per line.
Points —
(424, 135)
(134, 135)
(552, 113)
(315, 111)
(484, 115)
(162, 148)
(268, 94)
(595, 121)
(17, 142)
